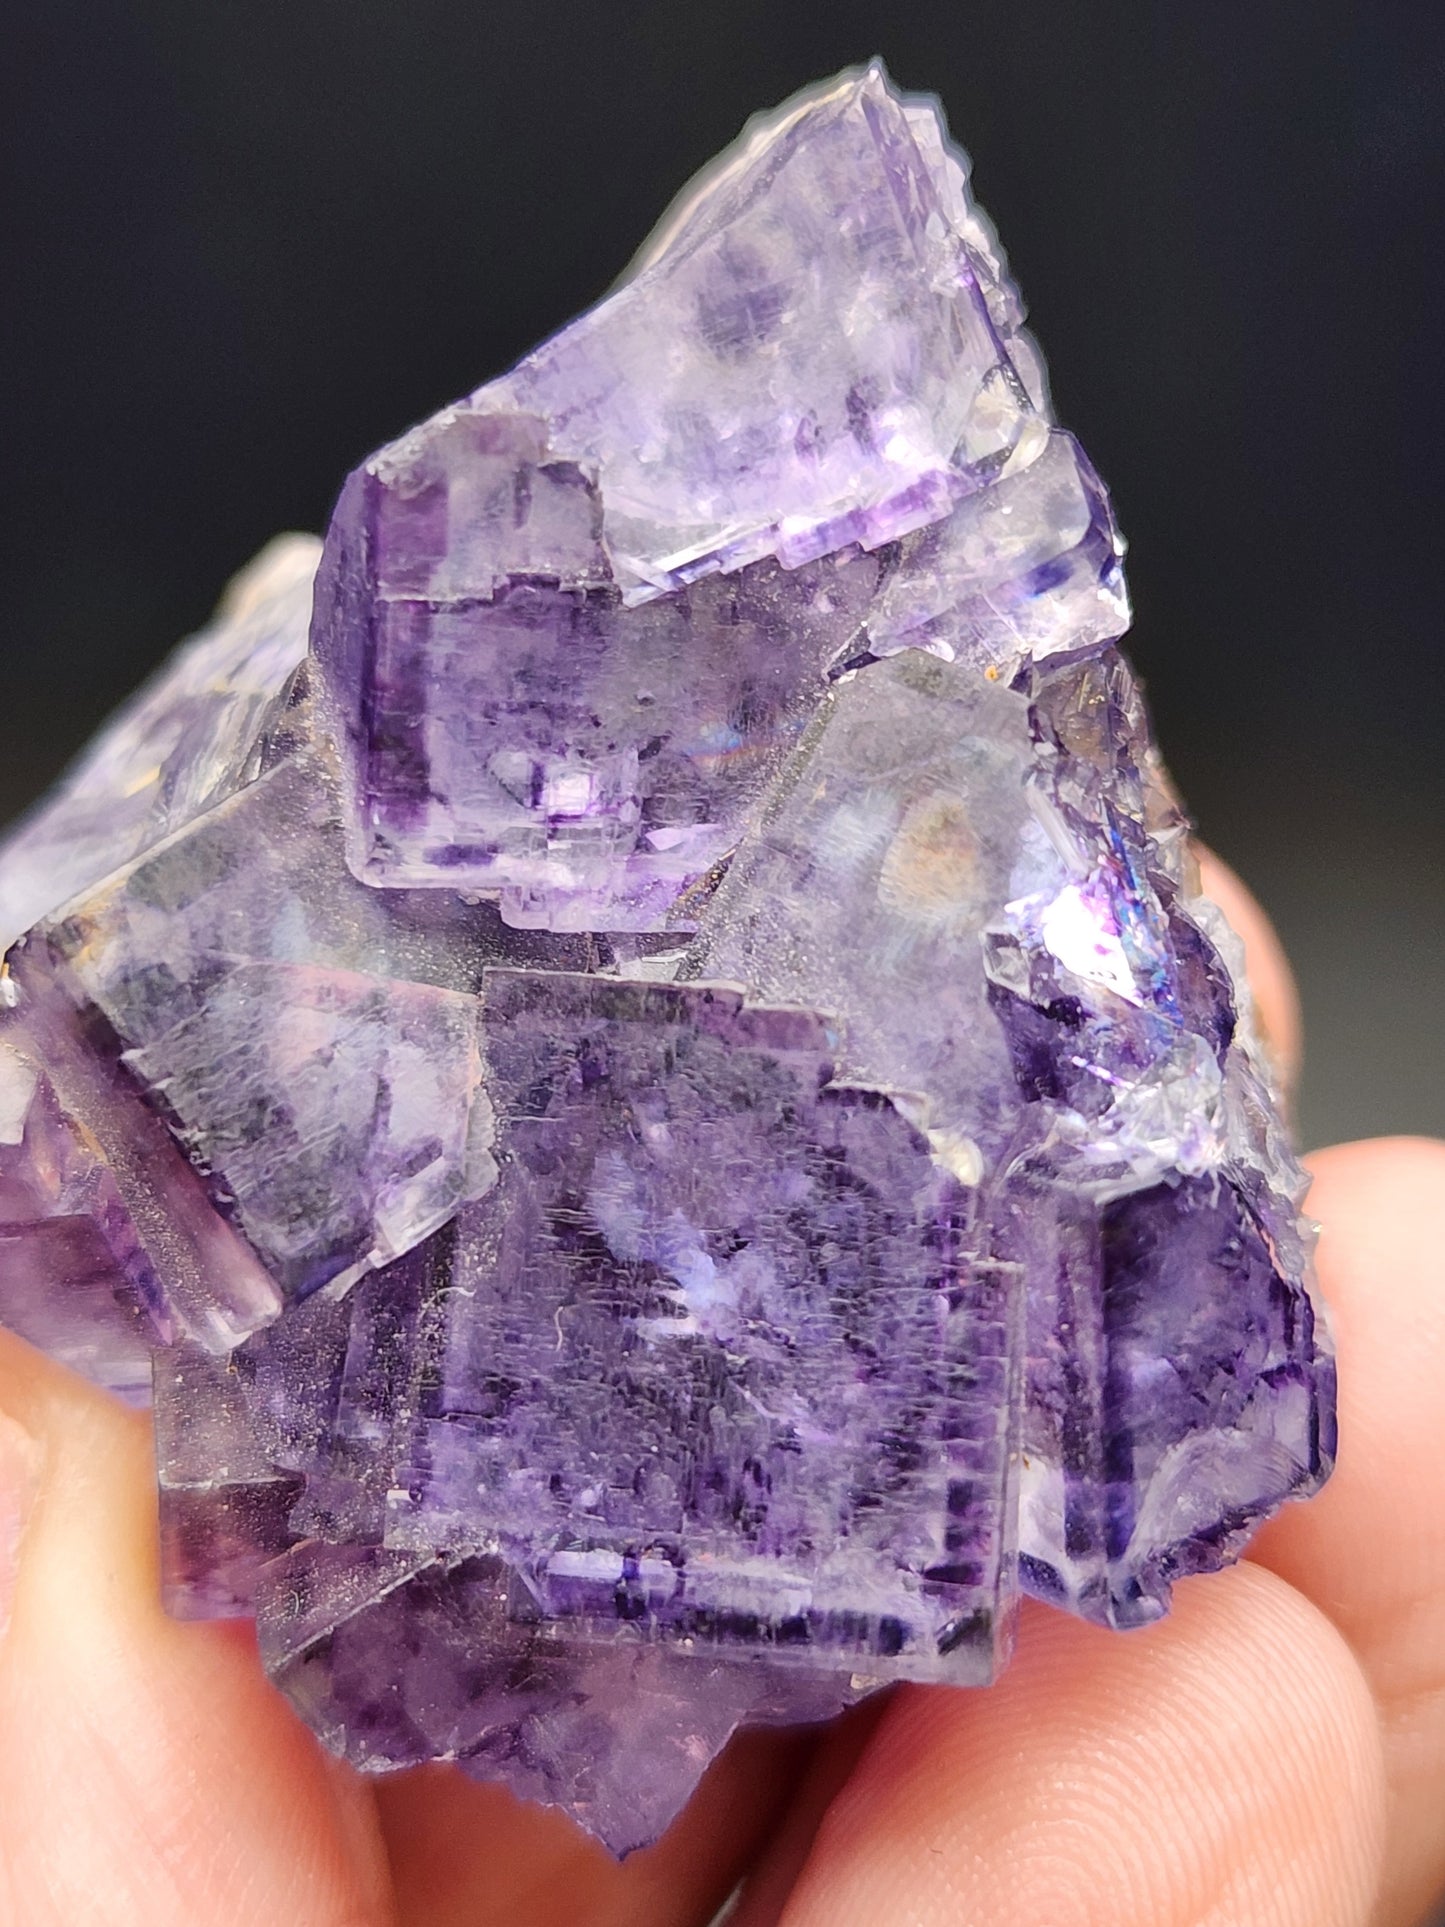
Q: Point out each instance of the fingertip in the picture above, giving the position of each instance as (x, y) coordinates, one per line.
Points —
(1377, 1530)
(1370, 1549)
(1404, 1171)
(147, 1769)
(20, 1469)
(1223, 1765)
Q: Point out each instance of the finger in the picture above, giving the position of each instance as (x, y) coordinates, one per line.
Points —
(1370, 1550)
(830, 1768)
(1221, 1766)
(1276, 1000)
(149, 1776)
(465, 1855)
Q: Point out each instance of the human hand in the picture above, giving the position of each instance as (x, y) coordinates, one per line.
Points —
(1271, 1755)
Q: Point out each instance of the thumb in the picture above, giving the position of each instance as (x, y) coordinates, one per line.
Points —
(149, 1776)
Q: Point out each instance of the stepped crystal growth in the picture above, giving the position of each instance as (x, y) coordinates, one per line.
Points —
(661, 1107)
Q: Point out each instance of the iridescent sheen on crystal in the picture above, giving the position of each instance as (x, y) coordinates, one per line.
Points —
(661, 1109)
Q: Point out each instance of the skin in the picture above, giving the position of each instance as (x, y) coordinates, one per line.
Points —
(1271, 1755)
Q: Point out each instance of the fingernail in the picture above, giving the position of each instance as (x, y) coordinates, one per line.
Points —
(19, 1486)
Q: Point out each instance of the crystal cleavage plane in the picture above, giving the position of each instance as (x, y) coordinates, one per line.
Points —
(632, 1053)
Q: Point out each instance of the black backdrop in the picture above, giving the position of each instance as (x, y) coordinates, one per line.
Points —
(245, 240)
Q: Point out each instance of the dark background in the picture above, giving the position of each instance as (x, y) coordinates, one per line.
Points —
(243, 243)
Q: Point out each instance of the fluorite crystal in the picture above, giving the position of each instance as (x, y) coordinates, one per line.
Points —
(661, 1107)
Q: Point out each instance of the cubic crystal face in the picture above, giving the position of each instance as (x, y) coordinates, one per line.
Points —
(666, 1351)
(660, 1111)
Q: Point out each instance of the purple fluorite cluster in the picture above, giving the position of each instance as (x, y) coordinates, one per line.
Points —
(660, 1107)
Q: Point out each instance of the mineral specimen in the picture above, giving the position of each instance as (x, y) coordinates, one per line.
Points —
(661, 1108)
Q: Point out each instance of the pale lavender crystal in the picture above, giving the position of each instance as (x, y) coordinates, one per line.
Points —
(1019, 571)
(182, 1262)
(820, 354)
(368, 1142)
(347, 1124)
(890, 842)
(665, 1113)
(182, 743)
(804, 356)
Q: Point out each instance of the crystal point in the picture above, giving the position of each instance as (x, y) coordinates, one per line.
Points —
(660, 1111)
